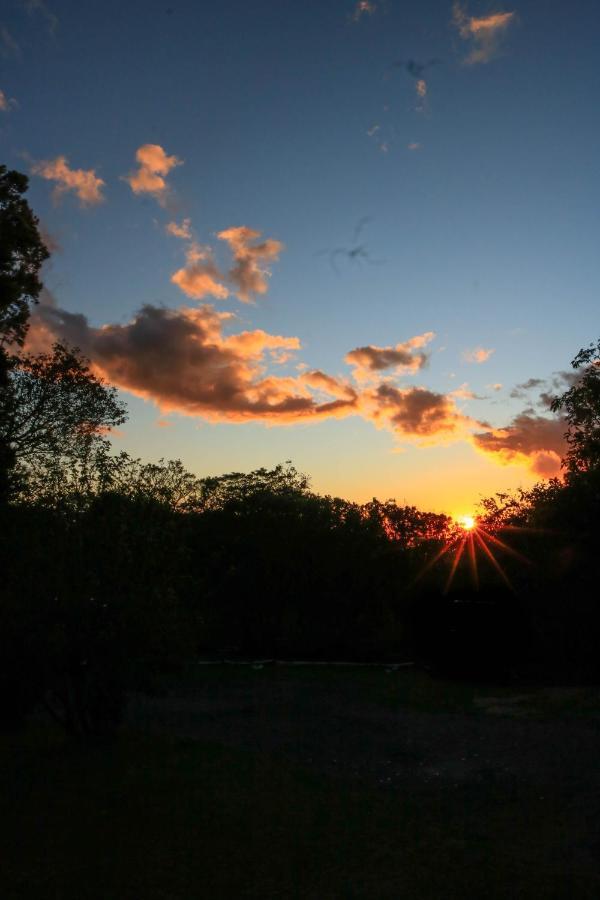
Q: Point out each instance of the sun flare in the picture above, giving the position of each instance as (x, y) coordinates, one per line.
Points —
(466, 522)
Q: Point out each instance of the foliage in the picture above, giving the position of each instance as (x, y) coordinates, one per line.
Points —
(22, 253)
(581, 405)
(53, 415)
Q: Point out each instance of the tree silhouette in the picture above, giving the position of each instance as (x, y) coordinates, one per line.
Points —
(22, 253)
(581, 406)
(53, 414)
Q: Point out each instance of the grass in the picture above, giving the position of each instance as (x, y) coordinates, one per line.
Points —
(159, 818)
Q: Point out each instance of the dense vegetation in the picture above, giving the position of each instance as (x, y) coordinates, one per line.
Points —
(114, 570)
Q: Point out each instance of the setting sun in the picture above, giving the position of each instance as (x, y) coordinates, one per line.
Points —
(466, 522)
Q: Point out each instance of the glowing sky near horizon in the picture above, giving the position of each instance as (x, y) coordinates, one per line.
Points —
(360, 236)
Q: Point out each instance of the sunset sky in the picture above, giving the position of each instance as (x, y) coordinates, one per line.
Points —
(360, 236)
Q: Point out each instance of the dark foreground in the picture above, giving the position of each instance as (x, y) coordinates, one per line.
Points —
(312, 783)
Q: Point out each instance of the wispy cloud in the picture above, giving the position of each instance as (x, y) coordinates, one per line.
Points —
(183, 231)
(154, 164)
(401, 358)
(250, 272)
(200, 277)
(7, 103)
(38, 7)
(83, 182)
(477, 355)
(363, 8)
(483, 34)
(9, 48)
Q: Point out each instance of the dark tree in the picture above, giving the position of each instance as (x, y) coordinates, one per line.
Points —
(22, 253)
(581, 406)
(53, 414)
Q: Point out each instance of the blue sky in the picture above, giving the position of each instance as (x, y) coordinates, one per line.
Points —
(485, 233)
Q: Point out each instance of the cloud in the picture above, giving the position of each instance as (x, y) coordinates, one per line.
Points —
(363, 8)
(537, 442)
(182, 361)
(414, 146)
(415, 412)
(9, 48)
(402, 358)
(496, 387)
(183, 231)
(484, 34)
(477, 355)
(421, 88)
(335, 387)
(84, 183)
(250, 272)
(7, 103)
(154, 165)
(34, 7)
(200, 277)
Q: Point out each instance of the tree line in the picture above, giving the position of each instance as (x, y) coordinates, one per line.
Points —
(114, 570)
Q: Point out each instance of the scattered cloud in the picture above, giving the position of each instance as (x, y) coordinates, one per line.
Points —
(154, 166)
(484, 34)
(535, 441)
(250, 272)
(415, 412)
(200, 277)
(7, 103)
(9, 48)
(83, 182)
(363, 8)
(414, 146)
(519, 390)
(421, 88)
(477, 355)
(402, 358)
(38, 7)
(183, 231)
(497, 386)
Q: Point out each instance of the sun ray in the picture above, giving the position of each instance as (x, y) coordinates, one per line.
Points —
(455, 562)
(494, 561)
(473, 559)
(505, 547)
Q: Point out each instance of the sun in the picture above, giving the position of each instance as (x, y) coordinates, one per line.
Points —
(468, 523)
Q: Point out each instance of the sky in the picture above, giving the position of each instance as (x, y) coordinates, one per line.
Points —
(361, 236)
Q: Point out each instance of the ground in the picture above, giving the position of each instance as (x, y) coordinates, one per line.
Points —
(313, 782)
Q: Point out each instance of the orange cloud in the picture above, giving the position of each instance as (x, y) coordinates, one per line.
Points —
(401, 358)
(484, 33)
(250, 273)
(415, 412)
(182, 361)
(477, 355)
(200, 277)
(535, 441)
(154, 165)
(183, 231)
(421, 88)
(84, 183)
